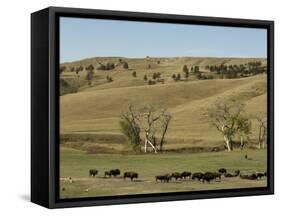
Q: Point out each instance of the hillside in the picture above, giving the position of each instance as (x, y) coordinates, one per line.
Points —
(96, 109)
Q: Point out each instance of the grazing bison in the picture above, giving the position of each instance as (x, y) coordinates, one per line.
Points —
(107, 173)
(164, 178)
(197, 176)
(185, 174)
(229, 175)
(253, 177)
(222, 170)
(176, 175)
(93, 172)
(130, 175)
(260, 175)
(249, 177)
(115, 172)
(208, 176)
(217, 175)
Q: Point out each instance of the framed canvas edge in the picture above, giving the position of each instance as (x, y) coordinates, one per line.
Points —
(53, 85)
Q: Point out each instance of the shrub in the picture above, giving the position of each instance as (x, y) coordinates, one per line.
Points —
(151, 82)
(125, 65)
(145, 78)
(109, 78)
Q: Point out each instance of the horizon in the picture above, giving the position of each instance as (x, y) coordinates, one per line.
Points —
(83, 38)
(219, 57)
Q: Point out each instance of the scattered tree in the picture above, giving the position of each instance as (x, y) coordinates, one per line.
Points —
(62, 69)
(134, 74)
(109, 78)
(185, 71)
(145, 77)
(125, 65)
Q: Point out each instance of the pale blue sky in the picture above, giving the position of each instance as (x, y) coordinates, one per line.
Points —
(83, 38)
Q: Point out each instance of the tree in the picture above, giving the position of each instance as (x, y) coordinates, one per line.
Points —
(199, 75)
(244, 129)
(186, 71)
(174, 77)
(178, 76)
(224, 117)
(262, 136)
(90, 67)
(90, 74)
(134, 74)
(151, 82)
(109, 78)
(148, 121)
(165, 120)
(131, 128)
(145, 77)
(196, 69)
(62, 69)
(125, 65)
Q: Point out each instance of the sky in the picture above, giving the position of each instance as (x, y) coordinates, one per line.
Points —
(82, 38)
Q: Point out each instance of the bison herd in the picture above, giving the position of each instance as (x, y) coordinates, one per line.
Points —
(200, 176)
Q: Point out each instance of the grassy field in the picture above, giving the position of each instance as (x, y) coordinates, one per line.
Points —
(76, 164)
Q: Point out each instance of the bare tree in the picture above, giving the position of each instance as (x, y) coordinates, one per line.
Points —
(224, 118)
(150, 116)
(150, 120)
(165, 120)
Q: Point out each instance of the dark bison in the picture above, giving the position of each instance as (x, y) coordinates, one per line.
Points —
(222, 170)
(185, 174)
(208, 176)
(164, 178)
(176, 176)
(229, 175)
(197, 176)
(216, 175)
(130, 175)
(249, 177)
(115, 172)
(260, 174)
(93, 172)
(107, 173)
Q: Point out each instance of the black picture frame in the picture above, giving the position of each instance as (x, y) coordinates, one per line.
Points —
(45, 106)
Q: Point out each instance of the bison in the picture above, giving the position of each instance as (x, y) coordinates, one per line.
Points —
(208, 176)
(249, 177)
(222, 170)
(229, 175)
(115, 172)
(130, 175)
(197, 175)
(107, 173)
(164, 178)
(176, 175)
(93, 172)
(260, 174)
(185, 174)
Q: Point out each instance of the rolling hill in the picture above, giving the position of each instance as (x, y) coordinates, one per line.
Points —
(96, 109)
